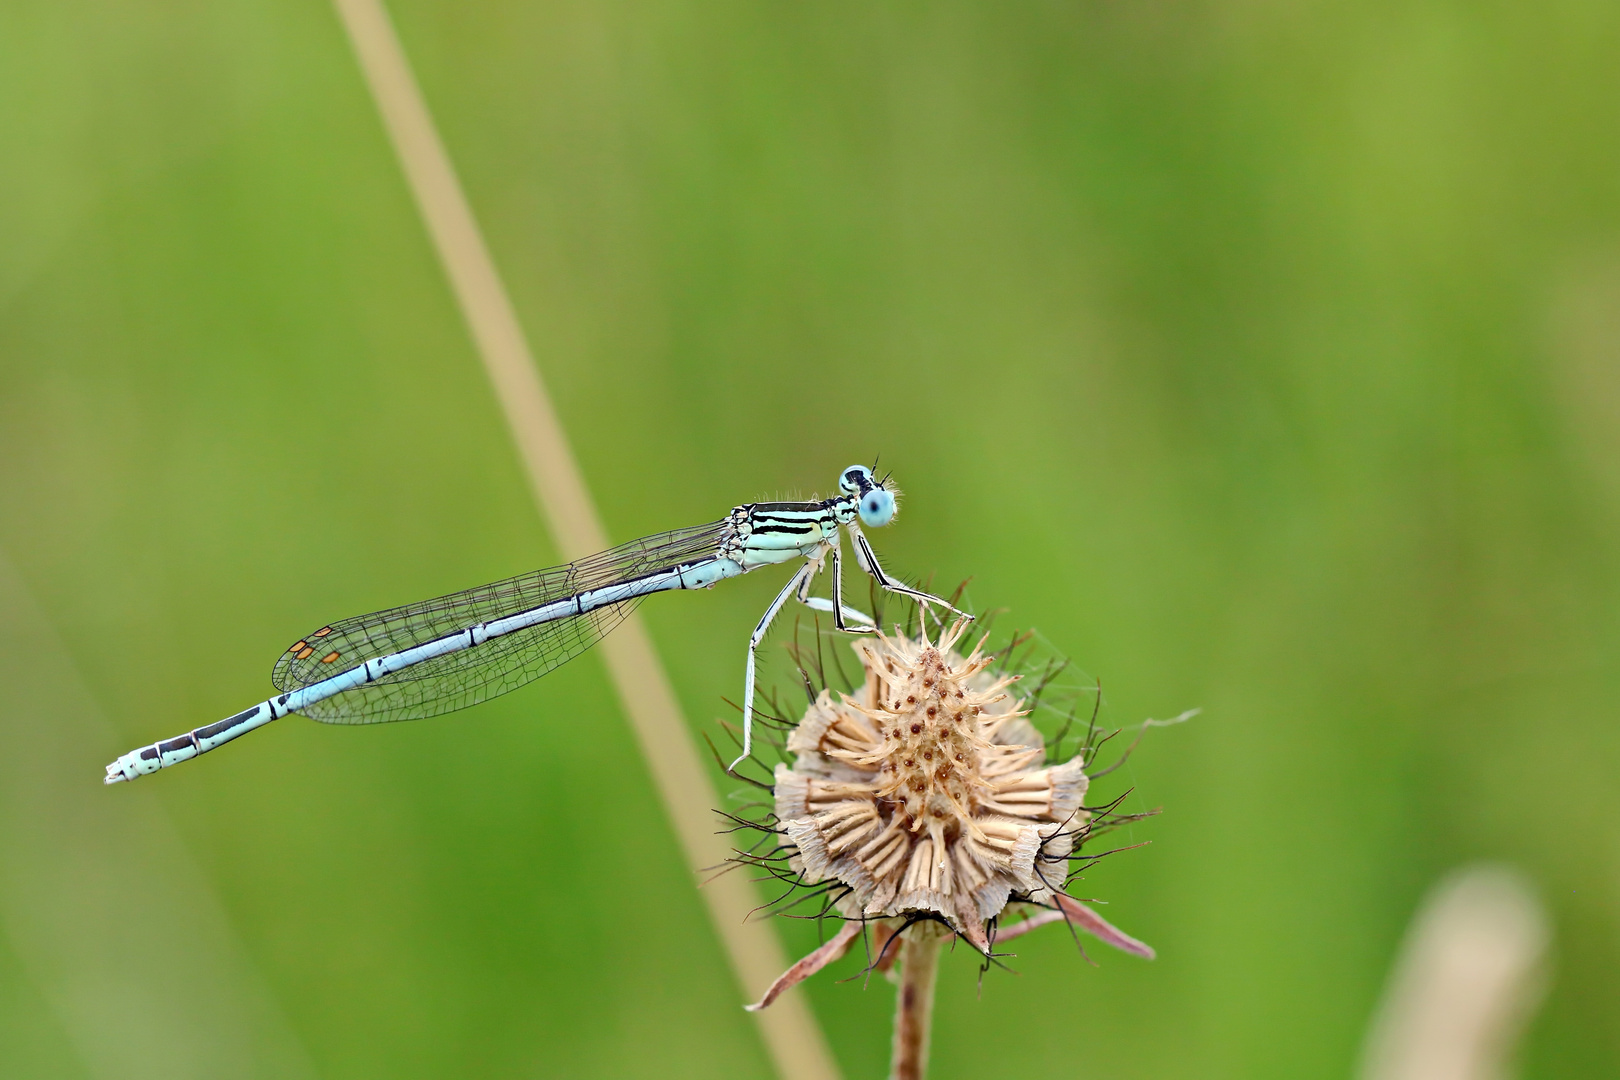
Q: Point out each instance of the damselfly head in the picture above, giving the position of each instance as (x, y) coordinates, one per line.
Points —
(876, 506)
(856, 480)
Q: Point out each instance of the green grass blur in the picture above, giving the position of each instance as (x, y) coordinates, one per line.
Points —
(1266, 357)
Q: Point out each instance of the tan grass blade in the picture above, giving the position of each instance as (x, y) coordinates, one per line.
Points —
(790, 1032)
(1470, 973)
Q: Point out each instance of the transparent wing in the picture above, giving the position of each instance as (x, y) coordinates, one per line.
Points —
(459, 679)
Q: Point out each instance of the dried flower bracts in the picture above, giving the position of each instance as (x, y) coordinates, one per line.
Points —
(926, 792)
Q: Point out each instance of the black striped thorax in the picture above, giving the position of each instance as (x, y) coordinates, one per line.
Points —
(785, 525)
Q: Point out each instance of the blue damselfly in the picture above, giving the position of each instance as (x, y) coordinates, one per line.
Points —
(440, 655)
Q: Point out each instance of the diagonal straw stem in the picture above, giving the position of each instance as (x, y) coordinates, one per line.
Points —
(789, 1030)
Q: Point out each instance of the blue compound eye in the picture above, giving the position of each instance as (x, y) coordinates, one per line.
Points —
(855, 478)
(877, 508)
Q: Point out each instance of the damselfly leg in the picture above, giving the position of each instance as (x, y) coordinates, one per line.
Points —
(800, 584)
(800, 579)
(867, 558)
(836, 606)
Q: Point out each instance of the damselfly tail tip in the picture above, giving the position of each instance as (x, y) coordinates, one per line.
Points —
(120, 770)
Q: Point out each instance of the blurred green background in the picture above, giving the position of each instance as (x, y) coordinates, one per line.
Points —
(1265, 356)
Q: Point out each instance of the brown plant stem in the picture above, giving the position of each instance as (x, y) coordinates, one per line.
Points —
(914, 1005)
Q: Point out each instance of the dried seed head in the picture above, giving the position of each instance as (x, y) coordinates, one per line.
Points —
(927, 790)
